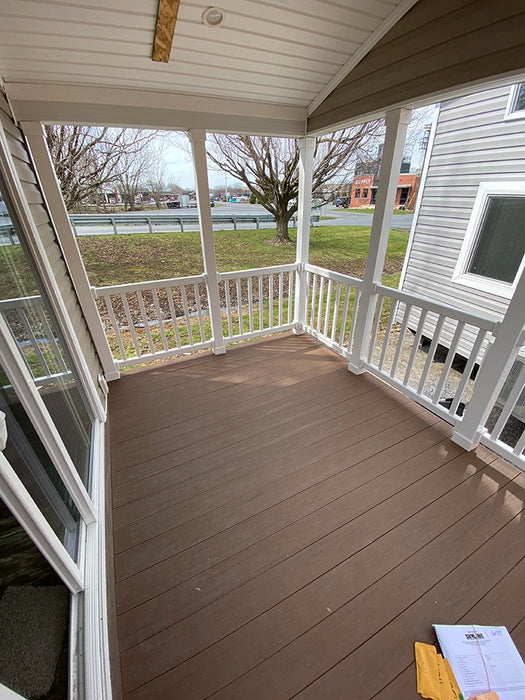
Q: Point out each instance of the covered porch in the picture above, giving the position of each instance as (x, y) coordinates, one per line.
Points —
(283, 527)
(280, 526)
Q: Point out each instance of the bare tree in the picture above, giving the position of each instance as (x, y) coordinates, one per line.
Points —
(416, 141)
(134, 175)
(269, 166)
(156, 180)
(88, 159)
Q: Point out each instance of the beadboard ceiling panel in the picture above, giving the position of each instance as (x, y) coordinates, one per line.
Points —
(275, 52)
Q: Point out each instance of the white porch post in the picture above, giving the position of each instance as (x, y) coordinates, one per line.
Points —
(396, 126)
(34, 135)
(306, 160)
(200, 168)
(493, 371)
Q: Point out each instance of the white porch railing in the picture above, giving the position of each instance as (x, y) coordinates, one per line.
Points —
(416, 345)
(505, 427)
(31, 328)
(257, 302)
(151, 320)
(163, 318)
(331, 304)
(431, 373)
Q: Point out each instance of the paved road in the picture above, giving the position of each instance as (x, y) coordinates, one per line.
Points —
(342, 217)
(352, 218)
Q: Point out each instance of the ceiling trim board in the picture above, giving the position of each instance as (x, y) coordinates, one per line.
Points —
(83, 104)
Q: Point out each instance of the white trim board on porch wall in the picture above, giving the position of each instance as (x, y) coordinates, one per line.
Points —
(72, 104)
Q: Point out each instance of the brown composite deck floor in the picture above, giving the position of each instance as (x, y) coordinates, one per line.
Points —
(284, 528)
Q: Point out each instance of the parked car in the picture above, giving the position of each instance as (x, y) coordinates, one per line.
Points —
(341, 201)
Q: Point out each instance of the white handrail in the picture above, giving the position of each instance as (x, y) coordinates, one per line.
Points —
(151, 284)
(335, 276)
(257, 272)
(488, 323)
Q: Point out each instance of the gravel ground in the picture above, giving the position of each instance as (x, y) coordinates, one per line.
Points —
(513, 428)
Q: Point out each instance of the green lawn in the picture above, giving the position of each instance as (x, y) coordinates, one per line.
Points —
(139, 257)
(134, 257)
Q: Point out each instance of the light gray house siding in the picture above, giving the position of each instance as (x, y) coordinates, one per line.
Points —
(473, 144)
(48, 239)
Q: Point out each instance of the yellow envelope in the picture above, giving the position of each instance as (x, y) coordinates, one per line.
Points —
(435, 679)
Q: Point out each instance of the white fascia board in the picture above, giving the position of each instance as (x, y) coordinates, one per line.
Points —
(152, 110)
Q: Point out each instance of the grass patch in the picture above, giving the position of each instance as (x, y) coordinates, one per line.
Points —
(138, 257)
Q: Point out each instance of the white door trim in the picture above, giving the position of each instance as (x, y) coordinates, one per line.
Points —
(25, 510)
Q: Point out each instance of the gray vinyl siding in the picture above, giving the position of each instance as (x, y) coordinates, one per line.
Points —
(47, 238)
(434, 48)
(473, 144)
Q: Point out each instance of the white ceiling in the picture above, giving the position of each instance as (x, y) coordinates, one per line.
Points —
(286, 53)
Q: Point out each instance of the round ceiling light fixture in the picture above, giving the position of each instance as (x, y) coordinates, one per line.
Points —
(213, 17)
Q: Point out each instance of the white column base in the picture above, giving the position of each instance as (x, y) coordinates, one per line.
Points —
(218, 349)
(467, 443)
(298, 329)
(115, 374)
(356, 369)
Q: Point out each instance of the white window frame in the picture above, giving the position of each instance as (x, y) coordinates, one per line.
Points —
(87, 576)
(20, 503)
(45, 273)
(511, 112)
(461, 276)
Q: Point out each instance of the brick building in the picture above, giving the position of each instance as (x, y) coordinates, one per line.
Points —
(364, 188)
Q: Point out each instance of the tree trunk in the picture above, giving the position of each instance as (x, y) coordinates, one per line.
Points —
(282, 235)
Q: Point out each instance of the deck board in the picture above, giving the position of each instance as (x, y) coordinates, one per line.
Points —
(285, 528)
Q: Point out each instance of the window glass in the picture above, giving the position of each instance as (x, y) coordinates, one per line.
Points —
(519, 101)
(28, 457)
(29, 316)
(500, 244)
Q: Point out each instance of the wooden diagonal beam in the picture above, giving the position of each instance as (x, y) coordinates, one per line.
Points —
(164, 30)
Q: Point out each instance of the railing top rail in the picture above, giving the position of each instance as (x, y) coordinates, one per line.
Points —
(19, 301)
(154, 284)
(255, 272)
(335, 276)
(485, 322)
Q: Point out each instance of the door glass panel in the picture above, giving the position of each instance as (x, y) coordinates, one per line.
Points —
(28, 457)
(28, 314)
(34, 615)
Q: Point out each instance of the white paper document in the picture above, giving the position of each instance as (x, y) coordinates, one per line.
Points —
(483, 658)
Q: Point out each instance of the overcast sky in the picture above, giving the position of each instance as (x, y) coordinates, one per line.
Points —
(180, 168)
